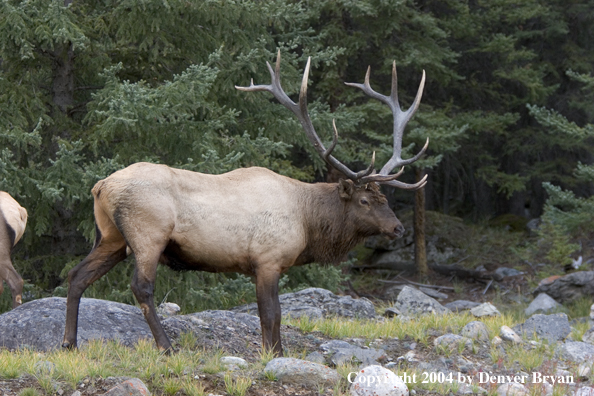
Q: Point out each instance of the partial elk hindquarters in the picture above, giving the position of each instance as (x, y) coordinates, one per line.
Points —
(13, 220)
(250, 220)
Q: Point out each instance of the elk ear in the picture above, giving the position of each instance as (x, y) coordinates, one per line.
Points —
(346, 189)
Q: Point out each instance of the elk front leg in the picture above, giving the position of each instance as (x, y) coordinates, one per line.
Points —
(269, 310)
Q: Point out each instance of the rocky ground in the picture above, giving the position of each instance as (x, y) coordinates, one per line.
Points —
(444, 354)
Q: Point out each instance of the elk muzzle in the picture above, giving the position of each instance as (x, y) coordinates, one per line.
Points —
(396, 232)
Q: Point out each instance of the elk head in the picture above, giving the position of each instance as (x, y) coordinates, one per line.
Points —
(368, 210)
(359, 188)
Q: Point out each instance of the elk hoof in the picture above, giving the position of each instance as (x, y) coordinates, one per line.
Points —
(68, 345)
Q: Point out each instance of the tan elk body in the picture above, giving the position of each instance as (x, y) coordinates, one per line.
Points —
(250, 220)
(13, 220)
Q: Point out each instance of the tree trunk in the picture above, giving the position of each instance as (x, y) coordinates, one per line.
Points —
(419, 228)
(63, 78)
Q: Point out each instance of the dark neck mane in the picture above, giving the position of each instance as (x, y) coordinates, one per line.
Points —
(331, 234)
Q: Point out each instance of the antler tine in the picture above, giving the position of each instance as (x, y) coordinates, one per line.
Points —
(401, 118)
(405, 186)
(300, 110)
(376, 177)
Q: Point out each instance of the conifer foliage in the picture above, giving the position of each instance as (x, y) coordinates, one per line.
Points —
(88, 87)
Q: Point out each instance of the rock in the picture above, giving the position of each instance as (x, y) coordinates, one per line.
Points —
(316, 357)
(402, 259)
(465, 389)
(378, 381)
(379, 242)
(433, 293)
(461, 305)
(239, 331)
(533, 224)
(235, 361)
(44, 367)
(542, 303)
(485, 309)
(317, 303)
(209, 321)
(512, 389)
(509, 335)
(497, 340)
(302, 372)
(452, 341)
(229, 318)
(592, 314)
(131, 387)
(392, 312)
(39, 324)
(341, 352)
(569, 287)
(575, 351)
(551, 327)
(585, 391)
(505, 272)
(413, 302)
(583, 370)
(589, 336)
(168, 309)
(392, 292)
(476, 330)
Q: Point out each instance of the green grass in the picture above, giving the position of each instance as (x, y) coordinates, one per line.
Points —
(237, 386)
(29, 392)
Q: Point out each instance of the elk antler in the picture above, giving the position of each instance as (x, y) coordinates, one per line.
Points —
(401, 118)
(300, 110)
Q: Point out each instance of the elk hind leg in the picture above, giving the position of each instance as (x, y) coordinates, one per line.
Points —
(107, 252)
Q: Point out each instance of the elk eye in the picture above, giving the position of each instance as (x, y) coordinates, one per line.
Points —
(364, 201)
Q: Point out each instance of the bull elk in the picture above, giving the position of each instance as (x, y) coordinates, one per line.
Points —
(249, 220)
(13, 220)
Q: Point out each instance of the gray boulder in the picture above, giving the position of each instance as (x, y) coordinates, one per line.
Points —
(317, 303)
(476, 330)
(551, 327)
(433, 293)
(131, 387)
(575, 351)
(485, 309)
(413, 302)
(302, 372)
(512, 389)
(341, 352)
(585, 391)
(452, 341)
(239, 332)
(589, 336)
(569, 287)
(378, 381)
(509, 335)
(543, 303)
(39, 324)
(461, 305)
(168, 309)
(504, 272)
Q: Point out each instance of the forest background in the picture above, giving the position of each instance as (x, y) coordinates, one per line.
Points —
(90, 87)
